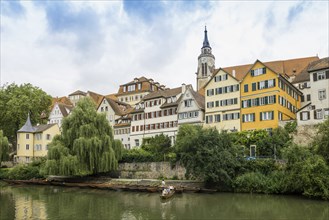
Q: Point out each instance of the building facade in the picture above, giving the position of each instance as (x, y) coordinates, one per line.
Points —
(222, 97)
(58, 112)
(134, 91)
(32, 141)
(267, 98)
(191, 107)
(156, 114)
(317, 110)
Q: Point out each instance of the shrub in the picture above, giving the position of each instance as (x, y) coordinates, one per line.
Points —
(136, 155)
(251, 182)
(24, 172)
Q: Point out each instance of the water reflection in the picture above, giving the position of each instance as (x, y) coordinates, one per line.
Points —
(38, 202)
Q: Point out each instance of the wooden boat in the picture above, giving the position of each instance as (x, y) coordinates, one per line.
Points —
(168, 195)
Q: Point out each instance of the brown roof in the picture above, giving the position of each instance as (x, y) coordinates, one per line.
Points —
(63, 100)
(289, 67)
(78, 92)
(199, 99)
(120, 108)
(140, 79)
(163, 93)
(319, 64)
(63, 108)
(41, 128)
(112, 96)
(95, 96)
(302, 77)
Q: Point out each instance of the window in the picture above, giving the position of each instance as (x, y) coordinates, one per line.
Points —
(38, 136)
(209, 119)
(27, 147)
(246, 88)
(318, 114)
(139, 85)
(188, 103)
(210, 104)
(48, 137)
(27, 136)
(217, 118)
(253, 86)
(257, 72)
(131, 88)
(137, 142)
(326, 113)
(322, 94)
(210, 92)
(261, 85)
(266, 116)
(248, 117)
(321, 75)
(308, 97)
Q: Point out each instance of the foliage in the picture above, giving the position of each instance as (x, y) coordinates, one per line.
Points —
(263, 166)
(159, 146)
(25, 172)
(251, 182)
(207, 154)
(137, 155)
(268, 145)
(322, 140)
(291, 127)
(15, 103)
(86, 145)
(4, 172)
(4, 148)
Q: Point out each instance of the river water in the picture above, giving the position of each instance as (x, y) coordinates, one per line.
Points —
(50, 202)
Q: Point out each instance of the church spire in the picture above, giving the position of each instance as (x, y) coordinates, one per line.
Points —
(205, 40)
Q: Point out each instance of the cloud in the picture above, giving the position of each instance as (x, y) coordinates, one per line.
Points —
(62, 46)
(12, 8)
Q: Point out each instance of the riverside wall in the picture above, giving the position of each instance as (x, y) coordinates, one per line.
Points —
(151, 170)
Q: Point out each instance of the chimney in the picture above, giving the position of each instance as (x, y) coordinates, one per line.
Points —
(233, 73)
(183, 88)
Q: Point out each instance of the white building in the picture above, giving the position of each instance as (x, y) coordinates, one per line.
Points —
(318, 109)
(191, 107)
(122, 130)
(156, 114)
(58, 112)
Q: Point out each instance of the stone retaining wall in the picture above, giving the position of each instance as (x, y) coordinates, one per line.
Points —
(152, 170)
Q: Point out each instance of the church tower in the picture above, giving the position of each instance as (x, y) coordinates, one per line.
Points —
(206, 63)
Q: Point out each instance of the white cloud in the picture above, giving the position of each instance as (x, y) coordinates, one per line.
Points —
(121, 46)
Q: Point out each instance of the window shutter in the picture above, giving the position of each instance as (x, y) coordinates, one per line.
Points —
(272, 115)
(258, 83)
(252, 72)
(314, 77)
(253, 116)
(274, 99)
(242, 118)
(254, 87)
(237, 86)
(274, 82)
(303, 98)
(260, 117)
(314, 114)
(266, 83)
(327, 74)
(301, 116)
(308, 115)
(264, 70)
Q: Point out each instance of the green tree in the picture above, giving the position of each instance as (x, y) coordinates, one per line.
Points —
(15, 103)
(207, 154)
(86, 145)
(4, 147)
(159, 146)
(321, 141)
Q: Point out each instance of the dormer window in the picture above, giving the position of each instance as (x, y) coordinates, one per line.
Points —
(168, 100)
(174, 99)
(124, 89)
(139, 86)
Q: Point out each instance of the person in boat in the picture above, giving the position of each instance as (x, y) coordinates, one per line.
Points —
(163, 184)
(165, 191)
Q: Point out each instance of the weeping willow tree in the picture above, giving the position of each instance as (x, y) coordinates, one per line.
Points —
(86, 145)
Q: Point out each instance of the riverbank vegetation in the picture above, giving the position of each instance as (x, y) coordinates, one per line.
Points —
(283, 168)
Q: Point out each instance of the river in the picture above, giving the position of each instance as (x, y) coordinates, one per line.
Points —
(50, 202)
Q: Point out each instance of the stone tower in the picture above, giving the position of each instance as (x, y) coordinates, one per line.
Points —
(206, 63)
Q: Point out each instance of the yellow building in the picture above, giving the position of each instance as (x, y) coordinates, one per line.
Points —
(222, 98)
(32, 141)
(267, 97)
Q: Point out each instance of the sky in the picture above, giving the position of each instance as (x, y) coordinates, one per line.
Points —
(63, 46)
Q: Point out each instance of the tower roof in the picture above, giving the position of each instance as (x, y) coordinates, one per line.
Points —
(205, 40)
(27, 127)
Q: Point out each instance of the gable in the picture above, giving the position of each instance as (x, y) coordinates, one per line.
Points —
(259, 71)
